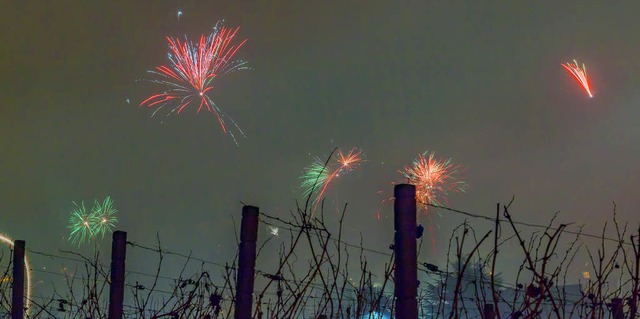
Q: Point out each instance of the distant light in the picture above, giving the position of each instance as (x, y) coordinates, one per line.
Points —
(179, 13)
(376, 315)
(273, 230)
(586, 275)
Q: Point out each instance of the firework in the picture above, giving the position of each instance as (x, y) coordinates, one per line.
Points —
(27, 302)
(105, 217)
(80, 224)
(273, 230)
(434, 179)
(192, 71)
(315, 177)
(580, 74)
(318, 176)
(91, 224)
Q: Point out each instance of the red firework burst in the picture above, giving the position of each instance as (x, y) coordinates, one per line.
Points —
(580, 74)
(193, 68)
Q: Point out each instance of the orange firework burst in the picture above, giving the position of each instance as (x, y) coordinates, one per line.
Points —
(349, 161)
(434, 179)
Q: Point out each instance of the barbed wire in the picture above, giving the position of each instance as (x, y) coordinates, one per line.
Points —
(313, 285)
(169, 252)
(532, 225)
(335, 240)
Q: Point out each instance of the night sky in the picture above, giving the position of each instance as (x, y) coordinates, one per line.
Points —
(479, 83)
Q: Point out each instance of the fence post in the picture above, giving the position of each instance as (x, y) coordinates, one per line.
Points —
(488, 312)
(116, 290)
(406, 273)
(17, 292)
(616, 309)
(246, 262)
(635, 293)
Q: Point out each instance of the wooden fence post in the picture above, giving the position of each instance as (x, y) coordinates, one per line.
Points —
(246, 262)
(406, 272)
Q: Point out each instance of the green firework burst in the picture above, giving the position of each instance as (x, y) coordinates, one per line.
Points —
(105, 217)
(80, 224)
(85, 225)
(314, 178)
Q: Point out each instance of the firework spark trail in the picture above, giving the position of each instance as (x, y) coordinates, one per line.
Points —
(192, 71)
(318, 176)
(433, 179)
(347, 163)
(580, 74)
(27, 268)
